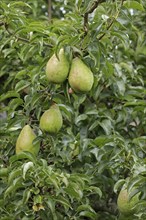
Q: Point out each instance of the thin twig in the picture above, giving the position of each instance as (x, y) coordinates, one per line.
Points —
(111, 23)
(86, 15)
(108, 27)
(18, 38)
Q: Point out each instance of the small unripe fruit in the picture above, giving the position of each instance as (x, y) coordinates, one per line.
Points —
(51, 120)
(25, 141)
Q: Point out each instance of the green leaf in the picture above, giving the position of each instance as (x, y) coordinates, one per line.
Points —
(135, 103)
(23, 155)
(94, 125)
(136, 181)
(134, 5)
(108, 69)
(78, 3)
(74, 191)
(54, 180)
(14, 174)
(26, 167)
(37, 199)
(8, 52)
(21, 85)
(67, 110)
(4, 172)
(107, 126)
(122, 36)
(92, 112)
(14, 103)
(17, 183)
(19, 3)
(26, 195)
(9, 94)
(87, 211)
(118, 184)
(51, 204)
(80, 118)
(102, 140)
(121, 86)
(88, 214)
(60, 199)
(94, 189)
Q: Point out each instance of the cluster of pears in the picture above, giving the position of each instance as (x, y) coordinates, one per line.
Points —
(79, 75)
(51, 122)
(58, 69)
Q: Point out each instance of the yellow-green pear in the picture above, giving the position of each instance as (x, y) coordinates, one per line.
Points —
(51, 120)
(25, 141)
(125, 204)
(80, 77)
(57, 68)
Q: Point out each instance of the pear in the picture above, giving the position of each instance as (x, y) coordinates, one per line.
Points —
(57, 68)
(51, 120)
(125, 205)
(80, 77)
(25, 141)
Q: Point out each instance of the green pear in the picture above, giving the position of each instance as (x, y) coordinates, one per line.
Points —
(57, 68)
(25, 141)
(80, 77)
(126, 206)
(51, 120)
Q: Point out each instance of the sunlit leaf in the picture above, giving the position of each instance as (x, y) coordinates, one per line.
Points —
(134, 5)
(26, 167)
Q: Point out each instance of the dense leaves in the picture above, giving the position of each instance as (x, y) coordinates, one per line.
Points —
(102, 144)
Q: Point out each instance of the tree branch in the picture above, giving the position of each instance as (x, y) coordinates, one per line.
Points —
(9, 32)
(19, 38)
(49, 10)
(108, 27)
(86, 15)
(111, 23)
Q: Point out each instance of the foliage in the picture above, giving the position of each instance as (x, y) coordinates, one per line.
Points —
(102, 144)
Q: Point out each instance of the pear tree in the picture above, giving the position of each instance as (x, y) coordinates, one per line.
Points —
(72, 110)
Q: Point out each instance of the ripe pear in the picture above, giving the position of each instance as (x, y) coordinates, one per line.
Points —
(25, 141)
(80, 77)
(126, 205)
(51, 120)
(57, 68)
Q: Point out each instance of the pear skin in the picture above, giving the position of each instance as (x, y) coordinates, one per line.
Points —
(125, 205)
(51, 120)
(80, 77)
(57, 68)
(25, 141)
